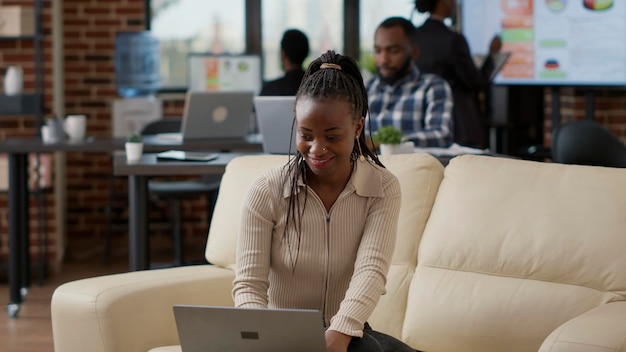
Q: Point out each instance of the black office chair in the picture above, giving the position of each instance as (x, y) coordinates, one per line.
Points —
(171, 191)
(586, 142)
(175, 191)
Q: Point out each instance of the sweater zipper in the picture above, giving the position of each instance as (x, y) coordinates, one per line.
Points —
(327, 266)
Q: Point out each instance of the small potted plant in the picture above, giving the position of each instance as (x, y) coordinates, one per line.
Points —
(134, 147)
(389, 140)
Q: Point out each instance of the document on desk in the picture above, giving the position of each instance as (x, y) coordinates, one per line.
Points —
(453, 150)
(181, 155)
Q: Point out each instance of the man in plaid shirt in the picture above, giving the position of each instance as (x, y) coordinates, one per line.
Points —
(418, 104)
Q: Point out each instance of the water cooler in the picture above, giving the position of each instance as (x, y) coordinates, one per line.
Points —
(136, 79)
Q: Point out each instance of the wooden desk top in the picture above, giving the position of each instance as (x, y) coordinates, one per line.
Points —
(107, 144)
(150, 166)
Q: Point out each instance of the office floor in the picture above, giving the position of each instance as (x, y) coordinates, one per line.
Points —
(32, 330)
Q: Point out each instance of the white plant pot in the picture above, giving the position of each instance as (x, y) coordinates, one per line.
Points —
(13, 80)
(133, 151)
(403, 148)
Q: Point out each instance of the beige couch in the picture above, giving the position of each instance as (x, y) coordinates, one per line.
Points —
(492, 254)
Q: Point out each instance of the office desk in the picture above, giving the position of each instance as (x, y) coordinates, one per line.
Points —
(18, 150)
(138, 174)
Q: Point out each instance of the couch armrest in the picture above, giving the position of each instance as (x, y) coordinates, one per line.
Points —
(132, 311)
(601, 329)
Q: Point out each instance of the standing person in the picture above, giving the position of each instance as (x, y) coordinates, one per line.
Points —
(446, 53)
(294, 49)
(319, 232)
(418, 104)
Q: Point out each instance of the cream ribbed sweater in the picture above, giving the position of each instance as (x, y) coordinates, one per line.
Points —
(343, 256)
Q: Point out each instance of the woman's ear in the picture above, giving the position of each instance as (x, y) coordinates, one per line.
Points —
(359, 126)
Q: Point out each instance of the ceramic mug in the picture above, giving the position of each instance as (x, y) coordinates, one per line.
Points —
(75, 127)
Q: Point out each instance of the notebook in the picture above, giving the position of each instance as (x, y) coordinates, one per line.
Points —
(274, 117)
(229, 329)
(214, 115)
(182, 155)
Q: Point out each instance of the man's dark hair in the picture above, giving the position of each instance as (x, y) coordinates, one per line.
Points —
(295, 44)
(407, 27)
(425, 5)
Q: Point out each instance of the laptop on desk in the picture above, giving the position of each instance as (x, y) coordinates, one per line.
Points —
(275, 117)
(229, 329)
(216, 115)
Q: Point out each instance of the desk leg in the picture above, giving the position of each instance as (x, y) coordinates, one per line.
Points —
(19, 257)
(139, 241)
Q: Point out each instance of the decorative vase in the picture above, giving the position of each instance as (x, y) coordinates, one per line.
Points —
(403, 148)
(13, 80)
(133, 151)
(388, 149)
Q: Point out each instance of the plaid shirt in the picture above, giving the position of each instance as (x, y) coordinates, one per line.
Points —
(419, 105)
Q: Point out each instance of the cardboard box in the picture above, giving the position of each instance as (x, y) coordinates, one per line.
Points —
(16, 21)
(132, 114)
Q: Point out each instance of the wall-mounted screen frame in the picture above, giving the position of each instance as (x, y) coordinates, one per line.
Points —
(553, 42)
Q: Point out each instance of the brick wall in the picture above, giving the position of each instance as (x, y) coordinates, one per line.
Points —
(609, 109)
(90, 28)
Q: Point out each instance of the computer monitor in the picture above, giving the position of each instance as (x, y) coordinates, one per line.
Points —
(213, 72)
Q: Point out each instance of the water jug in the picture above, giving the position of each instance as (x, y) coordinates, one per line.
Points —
(136, 64)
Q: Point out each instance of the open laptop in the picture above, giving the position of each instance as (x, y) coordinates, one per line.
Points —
(274, 116)
(216, 115)
(229, 329)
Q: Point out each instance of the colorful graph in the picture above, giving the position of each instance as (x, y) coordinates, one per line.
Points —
(598, 5)
(556, 5)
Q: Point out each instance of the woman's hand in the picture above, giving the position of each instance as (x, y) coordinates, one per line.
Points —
(336, 341)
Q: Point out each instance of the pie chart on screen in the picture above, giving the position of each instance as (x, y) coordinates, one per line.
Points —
(556, 5)
(598, 5)
(551, 64)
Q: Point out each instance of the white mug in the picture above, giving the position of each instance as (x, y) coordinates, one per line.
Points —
(13, 80)
(76, 127)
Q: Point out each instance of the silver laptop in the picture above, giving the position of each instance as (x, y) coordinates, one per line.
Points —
(215, 115)
(274, 116)
(229, 329)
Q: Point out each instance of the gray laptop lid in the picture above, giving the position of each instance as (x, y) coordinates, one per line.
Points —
(229, 329)
(214, 115)
(274, 116)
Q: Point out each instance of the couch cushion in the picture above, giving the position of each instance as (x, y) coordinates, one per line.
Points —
(239, 175)
(512, 250)
(419, 176)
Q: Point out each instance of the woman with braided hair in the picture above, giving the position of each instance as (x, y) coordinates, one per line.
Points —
(319, 232)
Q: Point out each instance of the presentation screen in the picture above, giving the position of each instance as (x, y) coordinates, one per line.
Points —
(552, 42)
(212, 72)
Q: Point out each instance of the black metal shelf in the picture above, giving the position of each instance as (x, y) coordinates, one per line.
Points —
(20, 37)
(23, 104)
(30, 104)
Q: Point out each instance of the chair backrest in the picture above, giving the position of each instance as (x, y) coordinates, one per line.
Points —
(587, 143)
(164, 125)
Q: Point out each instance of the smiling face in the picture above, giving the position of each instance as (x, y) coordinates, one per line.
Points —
(326, 132)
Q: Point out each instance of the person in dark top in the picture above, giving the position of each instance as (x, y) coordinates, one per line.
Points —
(294, 49)
(446, 53)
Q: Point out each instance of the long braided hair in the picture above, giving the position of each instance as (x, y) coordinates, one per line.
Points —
(340, 78)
